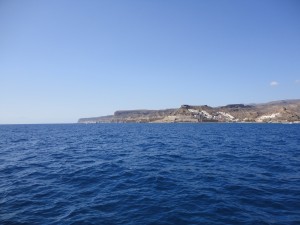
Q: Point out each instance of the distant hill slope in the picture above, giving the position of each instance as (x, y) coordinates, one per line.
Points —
(276, 111)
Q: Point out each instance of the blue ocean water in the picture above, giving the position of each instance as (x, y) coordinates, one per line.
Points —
(150, 174)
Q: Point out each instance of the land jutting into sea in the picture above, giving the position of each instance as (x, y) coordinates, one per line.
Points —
(283, 111)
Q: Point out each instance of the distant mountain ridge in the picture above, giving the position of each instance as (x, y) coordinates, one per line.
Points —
(283, 111)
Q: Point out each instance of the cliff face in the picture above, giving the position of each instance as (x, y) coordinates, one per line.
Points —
(279, 111)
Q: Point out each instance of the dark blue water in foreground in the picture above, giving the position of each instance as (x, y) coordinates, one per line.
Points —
(150, 174)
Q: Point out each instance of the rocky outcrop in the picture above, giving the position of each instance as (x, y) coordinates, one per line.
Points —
(280, 111)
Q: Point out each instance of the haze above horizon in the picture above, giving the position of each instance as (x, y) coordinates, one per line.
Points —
(64, 60)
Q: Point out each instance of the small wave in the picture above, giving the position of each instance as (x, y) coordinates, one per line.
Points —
(143, 174)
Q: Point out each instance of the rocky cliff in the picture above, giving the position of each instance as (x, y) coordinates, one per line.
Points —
(284, 111)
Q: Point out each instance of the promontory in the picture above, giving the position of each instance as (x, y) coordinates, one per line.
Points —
(284, 111)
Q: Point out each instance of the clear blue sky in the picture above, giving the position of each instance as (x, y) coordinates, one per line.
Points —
(61, 60)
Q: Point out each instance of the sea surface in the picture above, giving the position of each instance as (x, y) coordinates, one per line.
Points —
(150, 174)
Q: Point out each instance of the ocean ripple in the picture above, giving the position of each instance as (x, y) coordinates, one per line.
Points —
(150, 174)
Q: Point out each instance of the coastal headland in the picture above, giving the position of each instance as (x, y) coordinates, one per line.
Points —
(283, 111)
